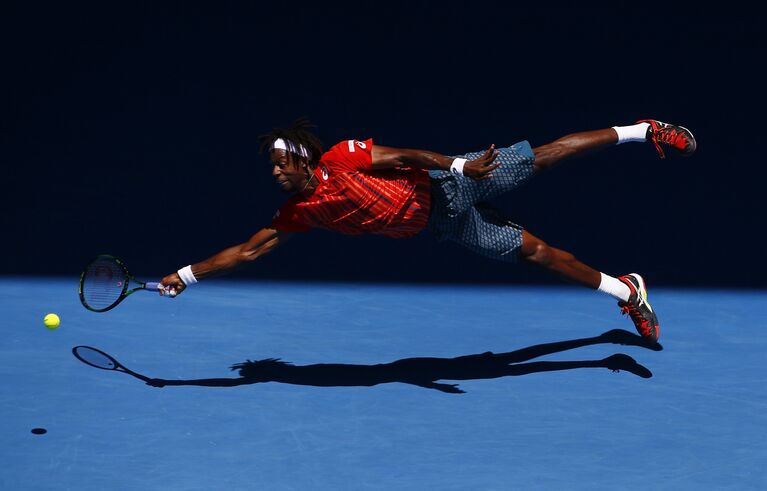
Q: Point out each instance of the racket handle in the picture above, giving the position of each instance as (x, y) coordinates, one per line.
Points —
(152, 286)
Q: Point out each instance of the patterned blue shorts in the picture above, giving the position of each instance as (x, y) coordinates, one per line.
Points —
(460, 213)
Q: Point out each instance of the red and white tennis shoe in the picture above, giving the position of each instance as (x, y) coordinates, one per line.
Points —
(639, 309)
(678, 138)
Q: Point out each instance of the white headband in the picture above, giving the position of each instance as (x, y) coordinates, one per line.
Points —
(289, 146)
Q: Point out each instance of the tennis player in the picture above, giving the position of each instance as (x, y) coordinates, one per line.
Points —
(360, 187)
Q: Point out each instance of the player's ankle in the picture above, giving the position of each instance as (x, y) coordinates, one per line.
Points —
(633, 133)
(614, 287)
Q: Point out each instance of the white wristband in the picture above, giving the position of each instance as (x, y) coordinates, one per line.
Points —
(457, 166)
(187, 276)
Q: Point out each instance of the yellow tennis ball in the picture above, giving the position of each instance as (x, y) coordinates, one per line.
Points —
(51, 321)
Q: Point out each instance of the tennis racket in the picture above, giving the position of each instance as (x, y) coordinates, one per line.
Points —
(105, 282)
(97, 358)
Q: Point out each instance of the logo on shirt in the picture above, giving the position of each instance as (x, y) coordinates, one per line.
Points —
(351, 144)
(324, 172)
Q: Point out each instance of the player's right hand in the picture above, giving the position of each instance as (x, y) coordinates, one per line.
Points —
(171, 285)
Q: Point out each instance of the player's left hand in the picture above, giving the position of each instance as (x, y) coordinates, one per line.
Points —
(481, 168)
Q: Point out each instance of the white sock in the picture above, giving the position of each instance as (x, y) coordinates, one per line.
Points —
(634, 133)
(614, 287)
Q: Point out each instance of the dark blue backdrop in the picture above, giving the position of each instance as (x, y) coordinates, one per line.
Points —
(131, 129)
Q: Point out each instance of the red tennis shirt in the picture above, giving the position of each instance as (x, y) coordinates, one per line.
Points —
(352, 198)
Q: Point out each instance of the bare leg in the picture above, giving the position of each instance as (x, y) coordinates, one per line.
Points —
(535, 251)
(575, 145)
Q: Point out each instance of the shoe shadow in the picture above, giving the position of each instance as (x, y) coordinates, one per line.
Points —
(425, 372)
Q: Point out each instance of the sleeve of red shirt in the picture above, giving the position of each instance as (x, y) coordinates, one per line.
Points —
(286, 219)
(349, 155)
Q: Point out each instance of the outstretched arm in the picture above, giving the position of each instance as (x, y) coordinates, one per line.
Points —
(262, 242)
(428, 384)
(388, 157)
(203, 382)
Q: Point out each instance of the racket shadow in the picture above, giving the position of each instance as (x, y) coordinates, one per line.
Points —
(426, 371)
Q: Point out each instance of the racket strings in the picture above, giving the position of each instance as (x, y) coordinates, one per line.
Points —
(95, 358)
(103, 283)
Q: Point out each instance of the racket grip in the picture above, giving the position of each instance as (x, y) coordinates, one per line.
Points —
(151, 286)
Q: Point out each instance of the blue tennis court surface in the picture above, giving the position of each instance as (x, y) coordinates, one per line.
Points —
(699, 422)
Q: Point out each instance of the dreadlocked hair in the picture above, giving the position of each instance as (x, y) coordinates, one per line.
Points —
(298, 133)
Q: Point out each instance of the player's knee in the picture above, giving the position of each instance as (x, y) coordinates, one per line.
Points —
(539, 253)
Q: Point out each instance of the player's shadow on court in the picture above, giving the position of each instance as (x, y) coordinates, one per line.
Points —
(424, 372)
